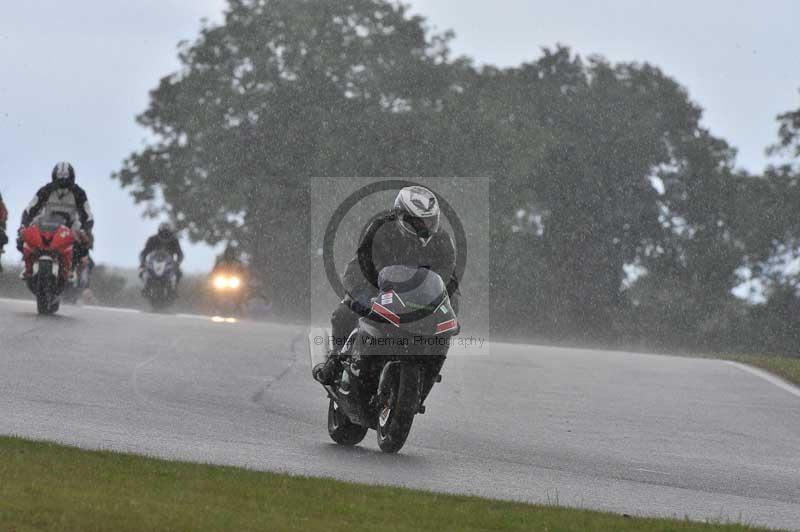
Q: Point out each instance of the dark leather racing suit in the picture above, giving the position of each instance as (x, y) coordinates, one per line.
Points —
(383, 244)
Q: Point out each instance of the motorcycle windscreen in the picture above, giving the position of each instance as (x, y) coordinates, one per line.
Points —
(415, 301)
(159, 262)
(51, 222)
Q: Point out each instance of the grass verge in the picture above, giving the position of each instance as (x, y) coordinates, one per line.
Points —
(45, 486)
(785, 367)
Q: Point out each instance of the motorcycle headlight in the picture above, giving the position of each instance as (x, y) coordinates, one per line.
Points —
(234, 282)
(220, 282)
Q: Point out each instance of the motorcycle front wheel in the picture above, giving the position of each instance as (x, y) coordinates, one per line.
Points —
(341, 429)
(397, 413)
(46, 304)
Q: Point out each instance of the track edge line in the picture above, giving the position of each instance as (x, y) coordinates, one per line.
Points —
(767, 376)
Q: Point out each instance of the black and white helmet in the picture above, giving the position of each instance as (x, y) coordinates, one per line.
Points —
(417, 212)
(63, 174)
(166, 231)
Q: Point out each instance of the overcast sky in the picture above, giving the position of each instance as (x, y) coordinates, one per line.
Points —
(74, 74)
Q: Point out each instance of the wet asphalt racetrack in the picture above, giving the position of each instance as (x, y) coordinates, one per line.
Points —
(638, 434)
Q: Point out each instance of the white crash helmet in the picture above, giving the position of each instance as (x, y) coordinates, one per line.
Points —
(63, 174)
(417, 212)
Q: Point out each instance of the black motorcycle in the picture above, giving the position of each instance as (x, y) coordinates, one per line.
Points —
(160, 279)
(392, 358)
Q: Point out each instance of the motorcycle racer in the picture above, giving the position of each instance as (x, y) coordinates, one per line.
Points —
(409, 234)
(167, 240)
(62, 196)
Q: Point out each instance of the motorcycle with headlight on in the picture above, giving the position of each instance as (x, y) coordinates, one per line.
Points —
(228, 291)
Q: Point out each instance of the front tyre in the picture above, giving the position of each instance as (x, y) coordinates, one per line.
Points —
(46, 304)
(397, 413)
(159, 294)
(341, 429)
(42, 303)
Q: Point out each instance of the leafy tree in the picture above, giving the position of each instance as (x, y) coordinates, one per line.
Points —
(584, 142)
(282, 91)
(596, 167)
(789, 133)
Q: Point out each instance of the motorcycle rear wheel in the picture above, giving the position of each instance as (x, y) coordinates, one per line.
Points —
(341, 429)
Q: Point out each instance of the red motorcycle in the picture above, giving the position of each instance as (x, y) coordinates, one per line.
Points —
(47, 252)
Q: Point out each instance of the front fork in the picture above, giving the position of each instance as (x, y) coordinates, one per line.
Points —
(390, 382)
(46, 276)
(428, 375)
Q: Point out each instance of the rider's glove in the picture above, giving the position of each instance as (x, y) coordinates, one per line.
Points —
(360, 301)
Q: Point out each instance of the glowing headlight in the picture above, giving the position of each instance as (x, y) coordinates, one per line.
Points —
(221, 282)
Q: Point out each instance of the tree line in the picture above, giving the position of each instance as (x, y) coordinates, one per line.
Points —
(620, 216)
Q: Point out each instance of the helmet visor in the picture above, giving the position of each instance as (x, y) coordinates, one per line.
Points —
(62, 173)
(422, 227)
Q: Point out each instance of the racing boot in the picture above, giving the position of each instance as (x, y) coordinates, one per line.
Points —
(326, 372)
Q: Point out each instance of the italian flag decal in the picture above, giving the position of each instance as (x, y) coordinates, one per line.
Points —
(445, 326)
(390, 316)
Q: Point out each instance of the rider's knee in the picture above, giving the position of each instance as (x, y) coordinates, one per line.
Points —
(341, 313)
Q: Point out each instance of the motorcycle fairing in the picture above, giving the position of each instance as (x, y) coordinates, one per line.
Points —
(57, 244)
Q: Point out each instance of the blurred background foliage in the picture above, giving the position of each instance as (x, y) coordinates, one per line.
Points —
(615, 217)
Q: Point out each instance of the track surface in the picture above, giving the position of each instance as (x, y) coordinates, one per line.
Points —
(639, 434)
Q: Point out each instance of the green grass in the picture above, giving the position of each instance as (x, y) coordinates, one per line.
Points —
(783, 366)
(46, 486)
